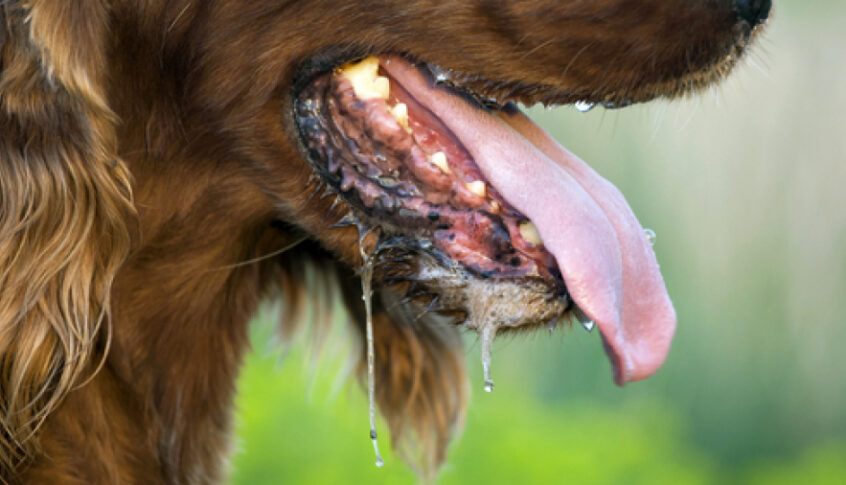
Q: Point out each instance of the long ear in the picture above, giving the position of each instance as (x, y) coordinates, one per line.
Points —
(65, 200)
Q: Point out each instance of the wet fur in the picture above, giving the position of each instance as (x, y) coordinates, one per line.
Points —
(147, 151)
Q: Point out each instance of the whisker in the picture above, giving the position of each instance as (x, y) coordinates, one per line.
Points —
(257, 259)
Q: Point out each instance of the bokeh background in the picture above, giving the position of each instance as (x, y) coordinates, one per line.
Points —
(745, 187)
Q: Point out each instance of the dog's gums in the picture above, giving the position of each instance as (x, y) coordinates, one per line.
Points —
(401, 168)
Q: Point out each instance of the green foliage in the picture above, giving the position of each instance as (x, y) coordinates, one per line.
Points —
(295, 427)
(822, 465)
(294, 430)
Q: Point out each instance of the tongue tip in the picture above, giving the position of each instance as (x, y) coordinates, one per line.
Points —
(635, 361)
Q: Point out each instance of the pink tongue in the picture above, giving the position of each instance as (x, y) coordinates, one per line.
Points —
(604, 256)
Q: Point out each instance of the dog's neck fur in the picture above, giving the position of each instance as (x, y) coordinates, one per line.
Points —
(181, 305)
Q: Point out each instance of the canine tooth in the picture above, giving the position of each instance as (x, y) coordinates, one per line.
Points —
(478, 187)
(382, 87)
(530, 233)
(400, 112)
(495, 206)
(439, 159)
(365, 78)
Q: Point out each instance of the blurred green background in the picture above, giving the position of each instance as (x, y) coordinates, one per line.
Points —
(745, 187)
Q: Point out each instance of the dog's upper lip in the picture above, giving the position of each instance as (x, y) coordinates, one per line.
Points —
(492, 94)
(607, 262)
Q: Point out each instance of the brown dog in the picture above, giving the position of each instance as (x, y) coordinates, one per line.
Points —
(166, 164)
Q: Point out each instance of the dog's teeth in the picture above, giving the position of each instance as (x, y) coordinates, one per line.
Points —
(439, 159)
(478, 187)
(365, 79)
(530, 233)
(382, 87)
(400, 113)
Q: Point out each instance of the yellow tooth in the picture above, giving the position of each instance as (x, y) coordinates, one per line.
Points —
(365, 78)
(439, 160)
(494, 206)
(382, 87)
(478, 187)
(400, 112)
(530, 233)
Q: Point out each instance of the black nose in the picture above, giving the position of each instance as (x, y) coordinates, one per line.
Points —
(754, 11)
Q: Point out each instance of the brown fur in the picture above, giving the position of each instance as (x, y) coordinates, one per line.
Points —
(147, 152)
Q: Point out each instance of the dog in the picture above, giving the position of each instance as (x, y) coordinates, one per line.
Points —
(165, 165)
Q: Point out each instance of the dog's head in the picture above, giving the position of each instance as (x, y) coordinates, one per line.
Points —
(410, 133)
(385, 131)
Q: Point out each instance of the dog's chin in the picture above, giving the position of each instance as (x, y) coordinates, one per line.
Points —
(475, 209)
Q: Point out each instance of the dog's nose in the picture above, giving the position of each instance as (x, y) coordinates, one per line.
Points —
(754, 11)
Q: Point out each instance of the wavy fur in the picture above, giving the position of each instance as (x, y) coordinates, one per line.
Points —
(65, 201)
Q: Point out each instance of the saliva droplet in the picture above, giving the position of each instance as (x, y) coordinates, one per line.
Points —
(583, 106)
(650, 236)
(584, 320)
(487, 335)
(379, 461)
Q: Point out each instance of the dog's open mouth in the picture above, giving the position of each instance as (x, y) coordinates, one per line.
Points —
(503, 223)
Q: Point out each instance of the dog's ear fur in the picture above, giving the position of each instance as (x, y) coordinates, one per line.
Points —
(65, 200)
